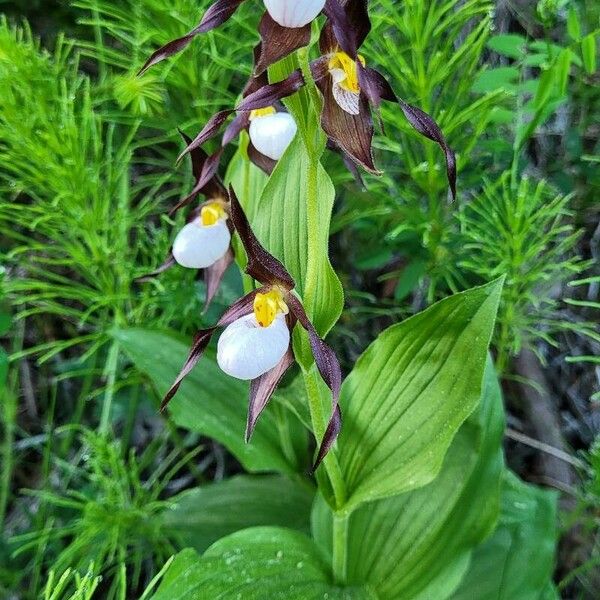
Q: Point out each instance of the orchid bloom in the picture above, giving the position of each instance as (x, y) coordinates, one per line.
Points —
(270, 131)
(205, 241)
(284, 27)
(349, 87)
(256, 344)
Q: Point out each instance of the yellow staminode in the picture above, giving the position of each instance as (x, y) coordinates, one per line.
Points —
(340, 60)
(212, 213)
(268, 306)
(262, 112)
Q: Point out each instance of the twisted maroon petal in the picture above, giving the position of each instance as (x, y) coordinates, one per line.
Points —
(215, 16)
(213, 276)
(262, 388)
(329, 368)
(376, 88)
(347, 27)
(237, 310)
(263, 162)
(207, 175)
(262, 265)
(214, 187)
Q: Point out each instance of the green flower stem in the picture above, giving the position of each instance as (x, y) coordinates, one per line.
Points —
(340, 548)
(314, 140)
(319, 423)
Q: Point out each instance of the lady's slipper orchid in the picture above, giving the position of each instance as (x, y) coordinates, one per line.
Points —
(201, 243)
(284, 27)
(348, 87)
(256, 344)
(205, 241)
(271, 132)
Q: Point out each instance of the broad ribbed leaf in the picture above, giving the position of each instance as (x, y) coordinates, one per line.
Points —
(283, 223)
(247, 179)
(516, 563)
(209, 401)
(200, 516)
(255, 564)
(409, 393)
(418, 544)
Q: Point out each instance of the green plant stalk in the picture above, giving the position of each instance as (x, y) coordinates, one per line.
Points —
(111, 376)
(318, 418)
(340, 548)
(9, 414)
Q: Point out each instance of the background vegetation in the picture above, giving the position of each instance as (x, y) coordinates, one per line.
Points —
(90, 471)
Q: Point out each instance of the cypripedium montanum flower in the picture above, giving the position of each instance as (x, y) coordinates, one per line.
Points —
(284, 27)
(256, 344)
(349, 87)
(270, 131)
(205, 241)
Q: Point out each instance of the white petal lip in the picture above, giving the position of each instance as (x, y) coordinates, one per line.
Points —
(294, 13)
(199, 246)
(246, 350)
(272, 134)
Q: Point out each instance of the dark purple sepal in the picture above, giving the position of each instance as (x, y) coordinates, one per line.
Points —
(277, 42)
(241, 122)
(376, 88)
(353, 134)
(426, 126)
(214, 188)
(215, 16)
(213, 276)
(263, 162)
(262, 265)
(237, 310)
(329, 368)
(348, 163)
(207, 175)
(269, 94)
(209, 131)
(262, 388)
(347, 27)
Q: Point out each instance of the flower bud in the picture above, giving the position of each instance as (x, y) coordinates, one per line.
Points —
(246, 350)
(272, 133)
(294, 13)
(198, 246)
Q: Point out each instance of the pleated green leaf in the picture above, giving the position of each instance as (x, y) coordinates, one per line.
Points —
(418, 544)
(209, 401)
(516, 563)
(255, 564)
(295, 207)
(409, 393)
(200, 516)
(246, 178)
